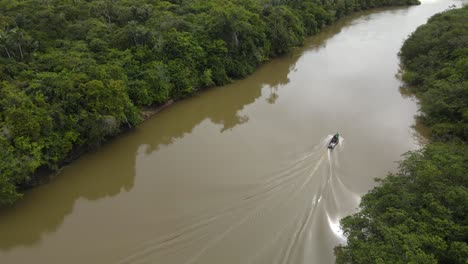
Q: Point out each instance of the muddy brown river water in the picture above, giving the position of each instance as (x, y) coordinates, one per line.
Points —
(241, 173)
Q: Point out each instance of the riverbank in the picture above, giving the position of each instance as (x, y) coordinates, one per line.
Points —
(77, 78)
(418, 214)
(224, 179)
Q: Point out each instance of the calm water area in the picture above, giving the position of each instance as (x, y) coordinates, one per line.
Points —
(240, 173)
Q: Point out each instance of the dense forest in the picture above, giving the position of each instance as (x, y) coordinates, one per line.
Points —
(75, 72)
(420, 213)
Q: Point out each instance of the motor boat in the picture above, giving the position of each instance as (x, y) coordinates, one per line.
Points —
(334, 142)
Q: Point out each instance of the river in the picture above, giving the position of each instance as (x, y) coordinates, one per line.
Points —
(240, 173)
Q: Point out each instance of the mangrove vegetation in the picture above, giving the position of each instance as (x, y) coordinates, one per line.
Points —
(420, 213)
(76, 72)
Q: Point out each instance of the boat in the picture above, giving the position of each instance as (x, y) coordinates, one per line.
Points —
(334, 141)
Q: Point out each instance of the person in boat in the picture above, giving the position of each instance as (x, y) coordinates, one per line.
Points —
(335, 137)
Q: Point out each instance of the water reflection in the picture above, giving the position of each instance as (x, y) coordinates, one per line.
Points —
(419, 131)
(110, 170)
(222, 105)
(44, 209)
(273, 96)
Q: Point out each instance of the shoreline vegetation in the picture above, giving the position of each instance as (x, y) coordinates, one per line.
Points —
(420, 213)
(75, 73)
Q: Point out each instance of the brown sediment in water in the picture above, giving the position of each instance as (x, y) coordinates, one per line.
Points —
(234, 174)
(151, 111)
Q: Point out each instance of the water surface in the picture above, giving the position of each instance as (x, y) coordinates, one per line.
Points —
(240, 173)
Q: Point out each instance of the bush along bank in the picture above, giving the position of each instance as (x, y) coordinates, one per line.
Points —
(419, 214)
(74, 73)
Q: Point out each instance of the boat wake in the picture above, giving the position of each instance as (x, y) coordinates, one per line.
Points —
(280, 218)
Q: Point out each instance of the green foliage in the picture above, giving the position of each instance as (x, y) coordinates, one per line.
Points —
(420, 214)
(73, 73)
(436, 68)
(8, 194)
(286, 29)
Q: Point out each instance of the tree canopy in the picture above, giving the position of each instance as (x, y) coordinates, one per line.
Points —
(435, 57)
(417, 215)
(420, 213)
(75, 72)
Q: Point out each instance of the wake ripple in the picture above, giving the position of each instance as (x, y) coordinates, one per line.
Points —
(288, 207)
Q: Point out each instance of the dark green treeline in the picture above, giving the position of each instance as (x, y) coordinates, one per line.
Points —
(74, 72)
(420, 213)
